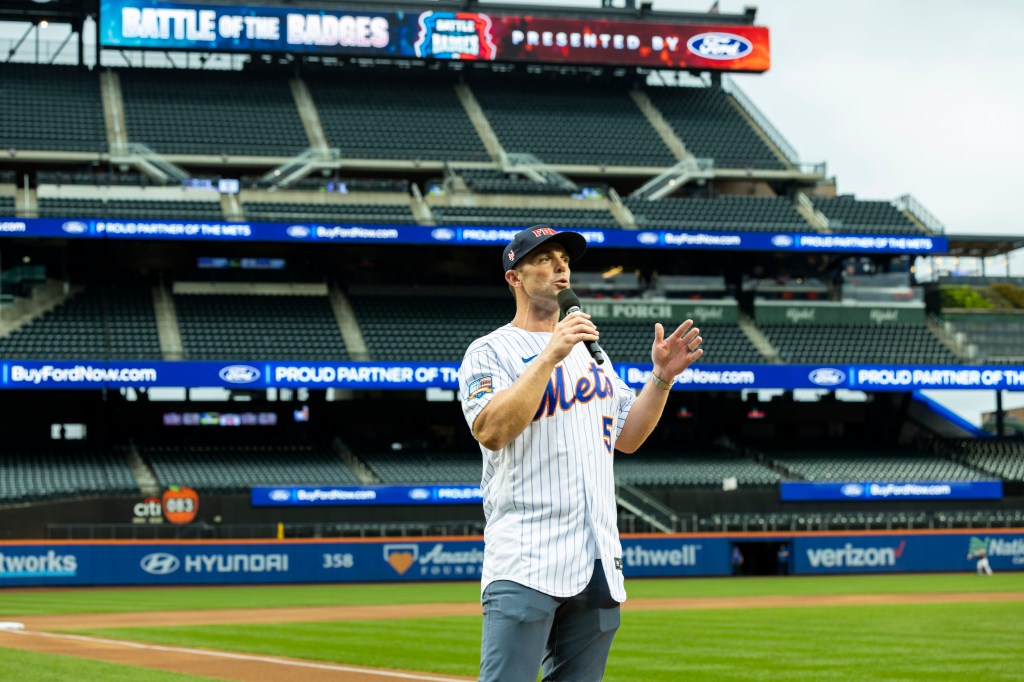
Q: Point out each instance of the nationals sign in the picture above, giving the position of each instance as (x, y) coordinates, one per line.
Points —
(162, 25)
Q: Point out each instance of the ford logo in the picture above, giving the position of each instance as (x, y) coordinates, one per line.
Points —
(827, 376)
(419, 494)
(160, 563)
(239, 374)
(443, 234)
(647, 238)
(722, 46)
(298, 231)
(782, 240)
(75, 227)
(280, 495)
(852, 490)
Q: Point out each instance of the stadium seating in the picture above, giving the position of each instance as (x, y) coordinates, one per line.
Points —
(37, 473)
(213, 113)
(884, 344)
(401, 467)
(559, 218)
(667, 469)
(94, 177)
(51, 108)
(394, 214)
(1003, 458)
(236, 468)
(483, 181)
(847, 214)
(998, 342)
(241, 327)
(443, 330)
(571, 122)
(115, 324)
(711, 127)
(895, 466)
(130, 209)
(734, 213)
(723, 344)
(394, 116)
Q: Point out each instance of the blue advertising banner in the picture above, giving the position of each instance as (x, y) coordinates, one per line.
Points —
(304, 496)
(400, 559)
(864, 491)
(902, 553)
(461, 235)
(38, 374)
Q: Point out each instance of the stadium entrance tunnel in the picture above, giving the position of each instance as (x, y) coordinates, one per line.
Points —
(762, 558)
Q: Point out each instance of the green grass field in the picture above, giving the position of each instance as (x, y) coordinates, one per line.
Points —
(891, 642)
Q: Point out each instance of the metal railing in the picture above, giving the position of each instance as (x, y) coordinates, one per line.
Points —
(915, 208)
(730, 86)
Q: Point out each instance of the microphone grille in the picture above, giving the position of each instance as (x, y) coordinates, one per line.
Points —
(567, 299)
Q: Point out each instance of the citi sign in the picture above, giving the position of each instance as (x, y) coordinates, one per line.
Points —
(849, 556)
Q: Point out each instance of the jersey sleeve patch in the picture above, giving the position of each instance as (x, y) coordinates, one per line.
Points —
(480, 387)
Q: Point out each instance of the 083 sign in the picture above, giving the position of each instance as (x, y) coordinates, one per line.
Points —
(179, 505)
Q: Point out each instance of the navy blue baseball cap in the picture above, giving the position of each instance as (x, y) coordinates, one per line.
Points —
(532, 237)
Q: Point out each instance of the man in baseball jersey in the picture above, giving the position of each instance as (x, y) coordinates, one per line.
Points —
(548, 419)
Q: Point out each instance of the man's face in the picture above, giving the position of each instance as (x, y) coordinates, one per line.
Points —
(545, 271)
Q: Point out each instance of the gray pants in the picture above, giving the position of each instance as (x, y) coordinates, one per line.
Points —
(568, 637)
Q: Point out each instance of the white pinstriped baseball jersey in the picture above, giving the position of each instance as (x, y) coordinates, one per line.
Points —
(549, 495)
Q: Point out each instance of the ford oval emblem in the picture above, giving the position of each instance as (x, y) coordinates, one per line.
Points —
(298, 231)
(852, 490)
(160, 563)
(647, 237)
(827, 376)
(782, 240)
(721, 46)
(280, 495)
(239, 374)
(443, 234)
(75, 227)
(419, 494)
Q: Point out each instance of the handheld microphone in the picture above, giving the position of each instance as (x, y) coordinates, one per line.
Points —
(569, 302)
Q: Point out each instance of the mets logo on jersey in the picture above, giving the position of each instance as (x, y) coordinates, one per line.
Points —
(557, 396)
(455, 35)
(478, 388)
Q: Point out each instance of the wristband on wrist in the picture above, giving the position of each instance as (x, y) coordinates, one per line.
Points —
(661, 383)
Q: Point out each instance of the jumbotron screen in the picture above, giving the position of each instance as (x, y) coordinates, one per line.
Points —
(163, 25)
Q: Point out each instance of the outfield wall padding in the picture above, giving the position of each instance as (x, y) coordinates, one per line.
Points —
(428, 559)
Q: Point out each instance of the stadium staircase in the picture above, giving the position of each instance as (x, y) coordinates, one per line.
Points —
(113, 111)
(479, 120)
(308, 114)
(639, 503)
(658, 122)
(347, 325)
(805, 207)
(144, 476)
(44, 298)
(167, 327)
(948, 339)
(757, 337)
(362, 472)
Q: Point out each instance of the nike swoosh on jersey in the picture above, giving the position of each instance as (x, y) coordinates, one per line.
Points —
(526, 360)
